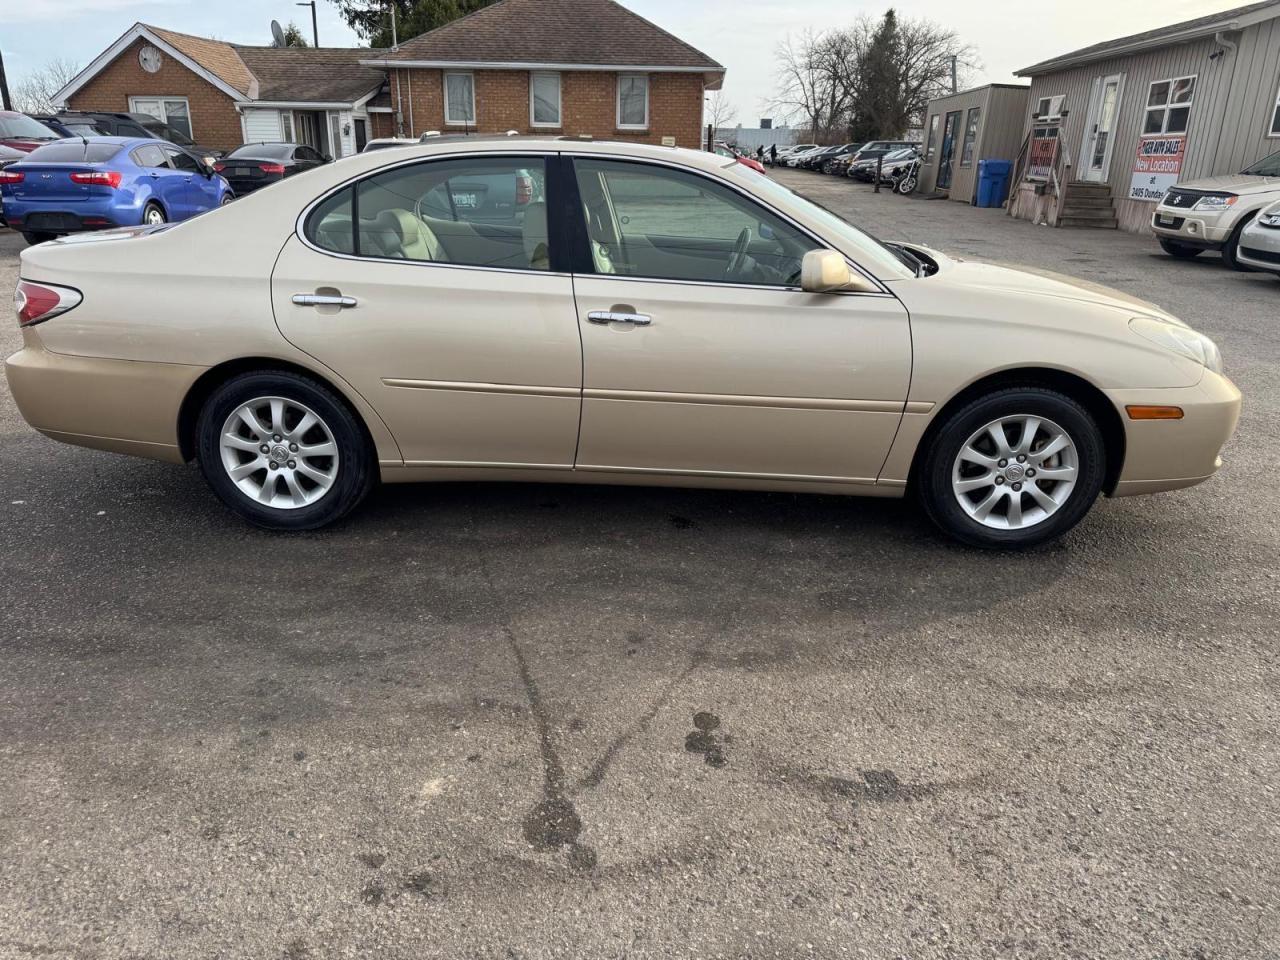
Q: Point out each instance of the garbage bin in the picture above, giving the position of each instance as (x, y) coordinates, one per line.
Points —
(993, 182)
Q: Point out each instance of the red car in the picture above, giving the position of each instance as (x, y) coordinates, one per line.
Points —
(20, 132)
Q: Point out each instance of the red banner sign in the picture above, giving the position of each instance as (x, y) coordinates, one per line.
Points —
(1157, 166)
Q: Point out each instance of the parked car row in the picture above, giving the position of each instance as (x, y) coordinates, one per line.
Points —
(857, 160)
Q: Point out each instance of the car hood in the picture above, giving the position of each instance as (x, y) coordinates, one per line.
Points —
(1237, 183)
(1033, 282)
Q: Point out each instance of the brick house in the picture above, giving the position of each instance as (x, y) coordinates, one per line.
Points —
(223, 94)
(576, 67)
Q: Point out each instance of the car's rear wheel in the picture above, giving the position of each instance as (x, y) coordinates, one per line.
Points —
(1180, 250)
(1013, 469)
(33, 238)
(283, 451)
(153, 215)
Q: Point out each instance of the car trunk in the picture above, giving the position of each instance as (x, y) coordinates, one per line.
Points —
(52, 182)
(246, 175)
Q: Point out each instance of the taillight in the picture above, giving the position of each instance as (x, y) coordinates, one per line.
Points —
(98, 178)
(271, 167)
(524, 190)
(11, 176)
(38, 302)
(219, 167)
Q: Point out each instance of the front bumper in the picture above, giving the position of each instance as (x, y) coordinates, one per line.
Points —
(125, 406)
(1194, 229)
(1260, 247)
(1169, 454)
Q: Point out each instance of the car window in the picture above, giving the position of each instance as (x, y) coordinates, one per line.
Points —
(75, 151)
(1267, 167)
(309, 155)
(183, 161)
(20, 126)
(476, 211)
(149, 155)
(650, 221)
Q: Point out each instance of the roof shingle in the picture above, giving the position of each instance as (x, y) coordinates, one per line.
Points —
(589, 32)
(319, 75)
(215, 56)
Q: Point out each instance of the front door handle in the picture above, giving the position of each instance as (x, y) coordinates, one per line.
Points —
(613, 316)
(322, 300)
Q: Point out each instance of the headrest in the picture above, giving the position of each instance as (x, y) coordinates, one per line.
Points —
(403, 224)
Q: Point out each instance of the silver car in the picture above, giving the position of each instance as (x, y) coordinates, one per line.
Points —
(1260, 241)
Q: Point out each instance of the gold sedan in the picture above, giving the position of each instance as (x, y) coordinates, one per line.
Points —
(539, 309)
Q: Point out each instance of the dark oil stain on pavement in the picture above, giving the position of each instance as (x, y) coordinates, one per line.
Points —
(372, 860)
(553, 823)
(705, 740)
(876, 786)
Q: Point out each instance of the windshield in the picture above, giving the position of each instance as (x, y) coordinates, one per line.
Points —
(1269, 167)
(898, 154)
(166, 132)
(878, 257)
(18, 126)
(74, 150)
(272, 151)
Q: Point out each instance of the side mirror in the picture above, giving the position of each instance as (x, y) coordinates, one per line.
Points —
(826, 271)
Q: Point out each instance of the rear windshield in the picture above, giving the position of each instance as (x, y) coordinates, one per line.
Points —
(165, 132)
(20, 127)
(1269, 167)
(272, 151)
(75, 150)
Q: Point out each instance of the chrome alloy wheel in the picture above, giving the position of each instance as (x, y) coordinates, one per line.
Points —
(1015, 472)
(279, 453)
(154, 216)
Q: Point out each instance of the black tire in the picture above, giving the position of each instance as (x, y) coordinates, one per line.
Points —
(1180, 250)
(356, 463)
(1231, 249)
(150, 210)
(226, 199)
(34, 238)
(934, 478)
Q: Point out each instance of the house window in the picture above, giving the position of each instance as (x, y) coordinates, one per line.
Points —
(970, 136)
(1050, 108)
(544, 99)
(931, 141)
(633, 101)
(1275, 117)
(175, 111)
(286, 125)
(1169, 105)
(459, 98)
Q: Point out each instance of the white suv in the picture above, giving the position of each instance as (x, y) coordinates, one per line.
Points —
(1209, 214)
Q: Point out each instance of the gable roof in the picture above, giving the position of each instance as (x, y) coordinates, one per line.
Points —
(1187, 30)
(305, 74)
(214, 55)
(583, 34)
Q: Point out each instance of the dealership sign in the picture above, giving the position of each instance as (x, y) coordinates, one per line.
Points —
(1157, 166)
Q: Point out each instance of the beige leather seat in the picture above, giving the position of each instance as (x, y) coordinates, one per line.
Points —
(403, 235)
(536, 236)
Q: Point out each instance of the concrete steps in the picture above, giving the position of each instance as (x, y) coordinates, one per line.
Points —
(1088, 205)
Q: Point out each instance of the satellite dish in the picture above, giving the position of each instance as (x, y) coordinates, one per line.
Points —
(277, 34)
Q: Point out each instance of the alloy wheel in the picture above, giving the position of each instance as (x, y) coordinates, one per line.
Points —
(154, 216)
(279, 453)
(1015, 472)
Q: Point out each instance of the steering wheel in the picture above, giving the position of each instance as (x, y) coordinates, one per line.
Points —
(738, 259)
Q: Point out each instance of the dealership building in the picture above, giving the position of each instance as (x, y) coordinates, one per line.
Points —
(1111, 127)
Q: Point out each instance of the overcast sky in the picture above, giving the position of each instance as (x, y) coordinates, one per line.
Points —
(741, 34)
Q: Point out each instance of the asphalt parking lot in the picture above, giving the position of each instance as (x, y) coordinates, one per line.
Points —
(537, 721)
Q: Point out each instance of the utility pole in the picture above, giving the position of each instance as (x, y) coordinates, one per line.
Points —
(315, 30)
(394, 42)
(5, 102)
(953, 74)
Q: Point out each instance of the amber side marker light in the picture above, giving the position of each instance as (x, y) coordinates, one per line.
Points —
(1153, 413)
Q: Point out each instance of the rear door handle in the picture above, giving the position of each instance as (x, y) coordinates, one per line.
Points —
(612, 316)
(322, 300)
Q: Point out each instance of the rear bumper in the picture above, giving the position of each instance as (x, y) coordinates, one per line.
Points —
(52, 216)
(1168, 454)
(124, 406)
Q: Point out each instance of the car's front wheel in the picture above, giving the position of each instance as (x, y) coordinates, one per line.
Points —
(283, 451)
(1014, 469)
(1231, 249)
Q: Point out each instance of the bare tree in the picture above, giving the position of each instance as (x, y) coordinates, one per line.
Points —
(719, 112)
(872, 80)
(34, 92)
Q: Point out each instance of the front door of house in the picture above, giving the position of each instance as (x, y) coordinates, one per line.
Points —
(946, 159)
(1099, 134)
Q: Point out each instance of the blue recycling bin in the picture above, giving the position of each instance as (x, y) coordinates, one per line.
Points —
(993, 182)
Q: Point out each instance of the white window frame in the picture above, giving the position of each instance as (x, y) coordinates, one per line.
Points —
(445, 90)
(618, 102)
(1168, 107)
(546, 75)
(1053, 110)
(1275, 117)
(164, 117)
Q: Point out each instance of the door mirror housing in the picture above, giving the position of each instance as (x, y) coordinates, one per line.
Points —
(826, 271)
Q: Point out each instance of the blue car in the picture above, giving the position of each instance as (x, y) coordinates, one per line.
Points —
(82, 184)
